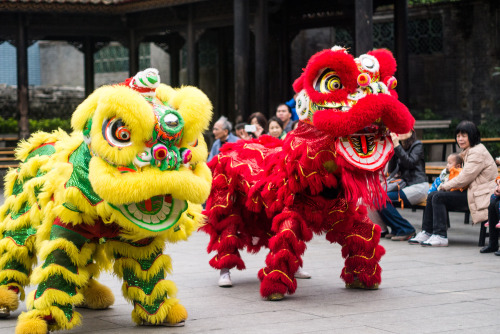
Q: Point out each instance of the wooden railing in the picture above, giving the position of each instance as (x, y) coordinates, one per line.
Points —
(445, 142)
(7, 159)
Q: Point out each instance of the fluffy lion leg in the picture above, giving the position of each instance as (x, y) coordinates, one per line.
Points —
(143, 268)
(96, 296)
(284, 258)
(64, 271)
(17, 250)
(225, 239)
(362, 254)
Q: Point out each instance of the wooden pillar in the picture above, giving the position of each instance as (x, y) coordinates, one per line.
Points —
(88, 51)
(285, 86)
(192, 56)
(241, 49)
(261, 57)
(175, 65)
(221, 104)
(133, 53)
(401, 39)
(22, 77)
(363, 26)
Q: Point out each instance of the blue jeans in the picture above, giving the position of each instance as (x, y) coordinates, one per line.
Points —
(392, 218)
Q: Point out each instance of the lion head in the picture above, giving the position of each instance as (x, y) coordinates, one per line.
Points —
(147, 149)
(354, 100)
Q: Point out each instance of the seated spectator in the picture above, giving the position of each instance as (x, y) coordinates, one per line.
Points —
(222, 133)
(240, 131)
(260, 122)
(453, 168)
(477, 176)
(276, 128)
(407, 184)
(493, 221)
(284, 113)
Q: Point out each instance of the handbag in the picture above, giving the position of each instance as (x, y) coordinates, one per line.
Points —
(395, 184)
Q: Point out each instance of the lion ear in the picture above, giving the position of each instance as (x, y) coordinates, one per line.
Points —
(193, 105)
(298, 84)
(386, 61)
(86, 109)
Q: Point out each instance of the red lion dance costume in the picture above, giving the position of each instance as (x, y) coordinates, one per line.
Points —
(276, 194)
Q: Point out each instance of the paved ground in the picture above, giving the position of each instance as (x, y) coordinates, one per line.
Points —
(424, 290)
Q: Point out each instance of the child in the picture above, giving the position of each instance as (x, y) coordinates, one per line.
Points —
(453, 168)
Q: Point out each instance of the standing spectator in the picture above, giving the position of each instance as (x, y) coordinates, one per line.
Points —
(260, 122)
(284, 113)
(222, 133)
(276, 128)
(408, 167)
(477, 176)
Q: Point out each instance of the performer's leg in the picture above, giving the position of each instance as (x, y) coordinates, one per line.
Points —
(286, 248)
(143, 268)
(65, 270)
(361, 250)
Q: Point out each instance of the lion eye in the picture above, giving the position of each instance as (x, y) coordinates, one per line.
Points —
(328, 81)
(116, 132)
(171, 120)
(369, 63)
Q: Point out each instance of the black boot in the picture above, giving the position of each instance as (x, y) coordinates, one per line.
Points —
(489, 249)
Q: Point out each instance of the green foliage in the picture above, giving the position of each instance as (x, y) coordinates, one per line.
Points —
(11, 125)
(8, 125)
(50, 124)
(427, 115)
(490, 127)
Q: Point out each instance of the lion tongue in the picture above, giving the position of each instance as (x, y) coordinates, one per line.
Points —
(364, 145)
(148, 204)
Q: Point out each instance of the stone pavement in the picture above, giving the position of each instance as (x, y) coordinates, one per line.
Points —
(452, 289)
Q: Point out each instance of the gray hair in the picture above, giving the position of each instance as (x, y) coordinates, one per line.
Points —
(226, 125)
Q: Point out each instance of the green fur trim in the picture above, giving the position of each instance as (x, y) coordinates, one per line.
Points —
(79, 179)
(47, 149)
(67, 310)
(16, 265)
(21, 235)
(25, 207)
(151, 309)
(59, 257)
(71, 207)
(60, 232)
(56, 282)
(146, 286)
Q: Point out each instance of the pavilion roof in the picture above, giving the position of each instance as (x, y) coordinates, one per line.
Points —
(88, 6)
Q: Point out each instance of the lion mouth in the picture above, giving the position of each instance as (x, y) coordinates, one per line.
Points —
(367, 149)
(156, 214)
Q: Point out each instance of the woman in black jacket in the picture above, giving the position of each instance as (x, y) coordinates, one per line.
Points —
(407, 165)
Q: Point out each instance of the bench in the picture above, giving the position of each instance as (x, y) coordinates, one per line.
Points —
(445, 142)
(7, 158)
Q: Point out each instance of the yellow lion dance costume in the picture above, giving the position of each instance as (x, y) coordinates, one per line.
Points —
(131, 177)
